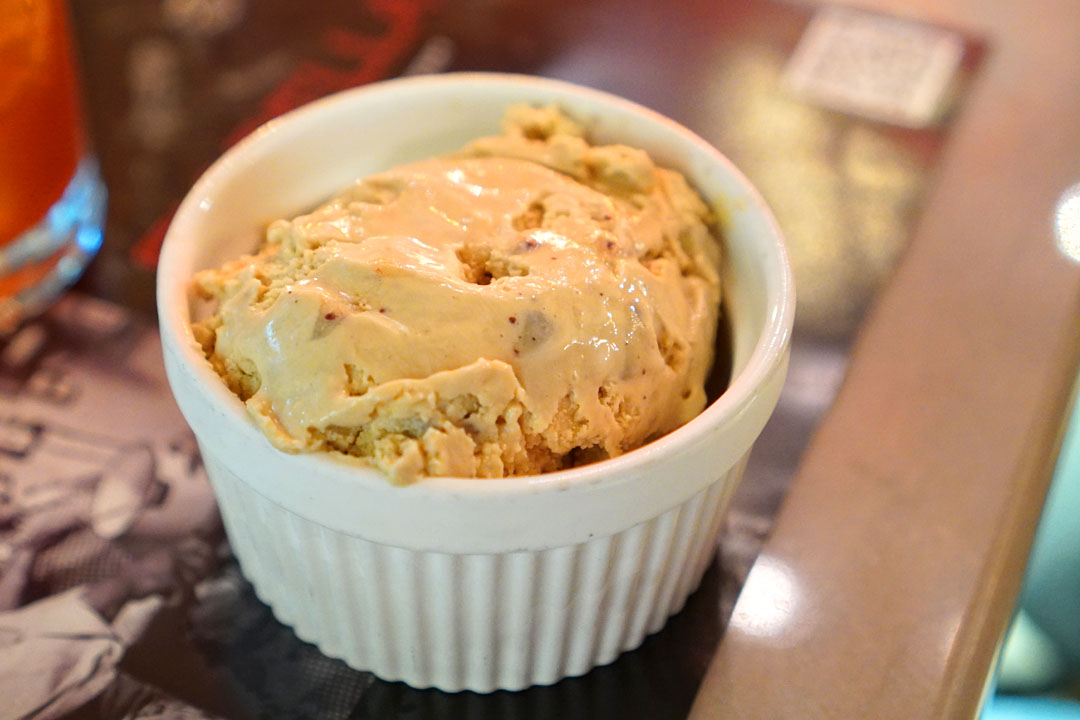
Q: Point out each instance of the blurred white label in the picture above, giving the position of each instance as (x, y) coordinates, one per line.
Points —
(882, 67)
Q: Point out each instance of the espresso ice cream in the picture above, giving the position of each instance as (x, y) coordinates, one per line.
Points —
(530, 303)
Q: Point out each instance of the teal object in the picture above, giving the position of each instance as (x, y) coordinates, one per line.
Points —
(1051, 595)
(1014, 707)
(1030, 659)
(1043, 643)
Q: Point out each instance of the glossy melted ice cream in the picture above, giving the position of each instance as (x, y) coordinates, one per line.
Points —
(528, 304)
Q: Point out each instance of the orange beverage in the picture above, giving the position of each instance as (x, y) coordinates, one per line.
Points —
(40, 134)
(42, 149)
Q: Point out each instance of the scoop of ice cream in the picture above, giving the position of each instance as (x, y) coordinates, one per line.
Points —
(528, 304)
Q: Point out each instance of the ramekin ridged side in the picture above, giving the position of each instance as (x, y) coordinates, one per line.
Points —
(471, 621)
(454, 582)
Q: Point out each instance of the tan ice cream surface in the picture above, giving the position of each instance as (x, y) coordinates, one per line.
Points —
(528, 304)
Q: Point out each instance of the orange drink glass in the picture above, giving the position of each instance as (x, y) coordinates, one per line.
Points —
(52, 199)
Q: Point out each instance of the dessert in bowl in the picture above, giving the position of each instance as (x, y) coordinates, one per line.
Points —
(467, 582)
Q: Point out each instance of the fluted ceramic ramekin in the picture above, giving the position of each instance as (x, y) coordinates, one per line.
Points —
(461, 583)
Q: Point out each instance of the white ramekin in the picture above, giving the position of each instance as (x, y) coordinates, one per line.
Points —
(456, 583)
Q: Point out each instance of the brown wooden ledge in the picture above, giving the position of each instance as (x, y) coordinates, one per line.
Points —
(897, 556)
